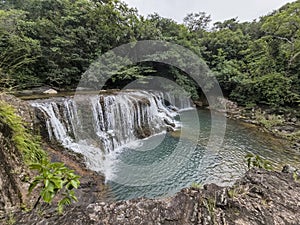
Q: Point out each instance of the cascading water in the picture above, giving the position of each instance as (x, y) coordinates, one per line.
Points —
(94, 125)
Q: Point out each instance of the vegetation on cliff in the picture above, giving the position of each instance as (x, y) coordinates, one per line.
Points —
(53, 178)
(26, 143)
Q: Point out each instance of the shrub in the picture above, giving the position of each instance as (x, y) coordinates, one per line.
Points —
(28, 145)
(55, 178)
(269, 122)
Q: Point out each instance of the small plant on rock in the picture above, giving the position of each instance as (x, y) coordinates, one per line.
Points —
(11, 219)
(54, 179)
(296, 176)
(196, 185)
(210, 205)
(258, 162)
(26, 143)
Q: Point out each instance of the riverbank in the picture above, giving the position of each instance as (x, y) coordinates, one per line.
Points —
(284, 125)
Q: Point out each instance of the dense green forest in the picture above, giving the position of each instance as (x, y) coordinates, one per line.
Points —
(52, 42)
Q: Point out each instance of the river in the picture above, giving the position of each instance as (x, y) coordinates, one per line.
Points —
(201, 166)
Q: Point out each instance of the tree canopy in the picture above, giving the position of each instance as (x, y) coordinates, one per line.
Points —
(53, 42)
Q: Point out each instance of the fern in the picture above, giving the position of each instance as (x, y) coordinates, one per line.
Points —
(28, 145)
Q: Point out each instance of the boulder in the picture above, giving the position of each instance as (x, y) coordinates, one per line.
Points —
(50, 91)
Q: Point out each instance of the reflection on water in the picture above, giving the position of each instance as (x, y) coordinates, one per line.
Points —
(200, 166)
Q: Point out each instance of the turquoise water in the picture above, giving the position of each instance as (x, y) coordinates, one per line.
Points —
(164, 164)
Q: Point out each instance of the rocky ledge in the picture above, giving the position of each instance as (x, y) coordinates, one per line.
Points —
(284, 124)
(260, 197)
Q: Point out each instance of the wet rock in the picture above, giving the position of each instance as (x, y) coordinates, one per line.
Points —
(169, 122)
(294, 120)
(286, 128)
(174, 108)
(288, 169)
(50, 91)
(226, 106)
(198, 103)
(297, 145)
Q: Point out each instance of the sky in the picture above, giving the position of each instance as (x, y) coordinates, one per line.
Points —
(245, 10)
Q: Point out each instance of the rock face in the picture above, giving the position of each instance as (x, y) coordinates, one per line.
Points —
(13, 172)
(260, 197)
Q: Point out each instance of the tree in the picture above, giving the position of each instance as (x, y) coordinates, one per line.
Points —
(197, 21)
(231, 24)
(284, 25)
(18, 52)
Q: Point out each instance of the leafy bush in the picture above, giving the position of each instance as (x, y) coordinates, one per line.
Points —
(55, 178)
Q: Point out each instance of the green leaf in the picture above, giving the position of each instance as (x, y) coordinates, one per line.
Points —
(60, 208)
(57, 165)
(58, 183)
(74, 198)
(46, 183)
(50, 187)
(75, 183)
(47, 196)
(35, 166)
(33, 185)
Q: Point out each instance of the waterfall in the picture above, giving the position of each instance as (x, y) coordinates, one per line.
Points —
(94, 125)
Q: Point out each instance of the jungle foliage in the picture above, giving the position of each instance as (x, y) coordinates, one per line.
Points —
(53, 42)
